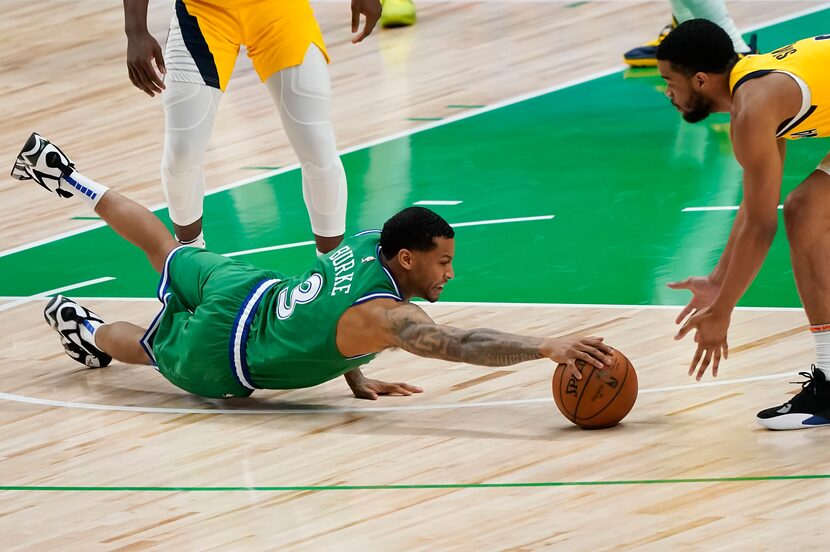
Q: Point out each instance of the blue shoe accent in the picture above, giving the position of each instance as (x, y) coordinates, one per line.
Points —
(816, 421)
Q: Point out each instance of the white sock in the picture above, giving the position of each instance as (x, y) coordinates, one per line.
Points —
(715, 11)
(86, 189)
(198, 241)
(88, 329)
(821, 333)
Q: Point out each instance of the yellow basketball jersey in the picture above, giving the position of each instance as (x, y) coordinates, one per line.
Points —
(808, 63)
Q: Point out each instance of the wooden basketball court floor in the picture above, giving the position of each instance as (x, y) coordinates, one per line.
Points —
(577, 192)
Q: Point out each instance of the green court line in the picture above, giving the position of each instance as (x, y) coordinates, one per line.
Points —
(262, 168)
(85, 218)
(424, 118)
(295, 488)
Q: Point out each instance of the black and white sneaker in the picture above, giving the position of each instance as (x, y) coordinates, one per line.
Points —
(809, 408)
(42, 161)
(66, 317)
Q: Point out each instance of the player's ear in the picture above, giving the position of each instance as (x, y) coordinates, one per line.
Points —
(700, 80)
(405, 258)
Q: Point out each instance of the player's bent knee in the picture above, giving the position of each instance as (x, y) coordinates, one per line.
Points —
(803, 211)
(181, 155)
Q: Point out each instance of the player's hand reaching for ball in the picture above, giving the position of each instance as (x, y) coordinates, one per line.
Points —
(568, 350)
(711, 326)
(704, 291)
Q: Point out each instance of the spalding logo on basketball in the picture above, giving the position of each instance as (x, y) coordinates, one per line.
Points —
(602, 398)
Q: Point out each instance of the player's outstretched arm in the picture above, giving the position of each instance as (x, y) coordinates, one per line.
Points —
(411, 329)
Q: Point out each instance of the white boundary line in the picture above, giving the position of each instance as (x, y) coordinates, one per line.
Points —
(17, 301)
(453, 224)
(269, 248)
(313, 409)
(716, 208)
(501, 221)
(460, 116)
(438, 202)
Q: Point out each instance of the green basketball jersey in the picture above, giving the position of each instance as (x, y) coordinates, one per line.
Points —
(286, 339)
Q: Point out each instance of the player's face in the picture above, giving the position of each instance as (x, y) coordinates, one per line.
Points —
(433, 269)
(684, 96)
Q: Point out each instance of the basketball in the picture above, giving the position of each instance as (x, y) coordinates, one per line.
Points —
(602, 398)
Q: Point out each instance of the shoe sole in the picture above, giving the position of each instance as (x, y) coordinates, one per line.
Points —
(640, 64)
(52, 309)
(793, 421)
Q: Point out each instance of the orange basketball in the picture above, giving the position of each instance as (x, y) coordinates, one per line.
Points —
(601, 398)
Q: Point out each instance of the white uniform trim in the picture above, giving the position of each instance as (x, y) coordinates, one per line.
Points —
(239, 333)
(806, 102)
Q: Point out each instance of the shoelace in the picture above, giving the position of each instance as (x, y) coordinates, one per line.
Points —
(809, 382)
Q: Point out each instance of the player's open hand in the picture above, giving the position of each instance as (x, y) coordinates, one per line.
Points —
(371, 12)
(371, 389)
(711, 326)
(568, 350)
(142, 50)
(704, 291)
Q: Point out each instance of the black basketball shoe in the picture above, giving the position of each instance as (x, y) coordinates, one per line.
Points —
(44, 162)
(67, 317)
(810, 408)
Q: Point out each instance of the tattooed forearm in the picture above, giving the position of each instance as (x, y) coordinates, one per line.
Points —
(481, 346)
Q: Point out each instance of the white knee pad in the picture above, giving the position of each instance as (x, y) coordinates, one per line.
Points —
(303, 95)
(190, 110)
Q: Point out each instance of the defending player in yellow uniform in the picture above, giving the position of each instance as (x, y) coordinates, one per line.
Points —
(783, 95)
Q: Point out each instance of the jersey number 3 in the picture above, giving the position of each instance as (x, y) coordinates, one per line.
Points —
(304, 293)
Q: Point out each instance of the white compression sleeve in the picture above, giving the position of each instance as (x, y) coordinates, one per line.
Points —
(303, 96)
(715, 11)
(189, 112)
(680, 10)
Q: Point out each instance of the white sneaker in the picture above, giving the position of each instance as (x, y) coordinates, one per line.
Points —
(42, 161)
(66, 317)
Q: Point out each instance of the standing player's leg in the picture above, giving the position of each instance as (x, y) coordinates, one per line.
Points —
(807, 218)
(303, 96)
(189, 114)
(202, 47)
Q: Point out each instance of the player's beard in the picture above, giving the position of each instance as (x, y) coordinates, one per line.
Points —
(701, 107)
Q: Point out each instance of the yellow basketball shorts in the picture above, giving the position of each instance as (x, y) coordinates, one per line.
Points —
(205, 36)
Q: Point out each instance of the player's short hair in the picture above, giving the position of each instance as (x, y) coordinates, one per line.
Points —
(415, 229)
(698, 46)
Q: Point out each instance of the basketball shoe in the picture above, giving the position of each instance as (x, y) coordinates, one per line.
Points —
(397, 13)
(42, 161)
(646, 55)
(73, 324)
(809, 408)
